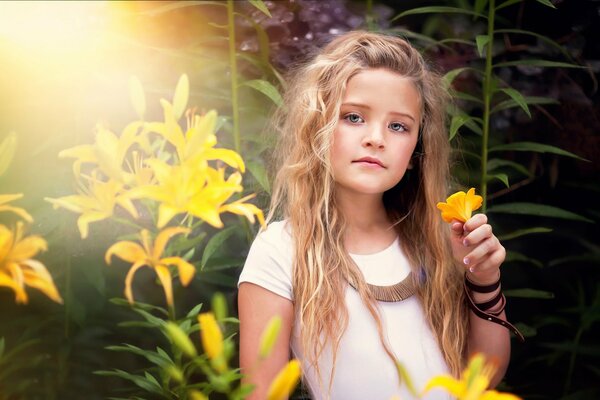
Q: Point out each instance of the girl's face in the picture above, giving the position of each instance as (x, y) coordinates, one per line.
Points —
(377, 132)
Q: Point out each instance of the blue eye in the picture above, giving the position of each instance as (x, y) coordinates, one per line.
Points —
(354, 118)
(398, 127)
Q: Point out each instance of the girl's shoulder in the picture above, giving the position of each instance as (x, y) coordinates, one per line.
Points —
(276, 233)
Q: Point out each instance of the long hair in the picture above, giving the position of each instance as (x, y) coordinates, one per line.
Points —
(304, 189)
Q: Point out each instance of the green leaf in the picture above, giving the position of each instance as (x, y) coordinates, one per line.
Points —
(2, 344)
(482, 41)
(515, 256)
(518, 98)
(265, 88)
(480, 5)
(577, 259)
(495, 163)
(526, 330)
(501, 177)
(406, 379)
(510, 103)
(259, 173)
(535, 209)
(507, 3)
(180, 339)
(466, 96)
(457, 122)
(523, 232)
(542, 38)
(452, 74)
(7, 151)
(136, 379)
(547, 3)
(181, 96)
(261, 6)
(441, 10)
(529, 293)
(155, 358)
(184, 243)
(535, 147)
(193, 313)
(537, 63)
(215, 242)
(138, 98)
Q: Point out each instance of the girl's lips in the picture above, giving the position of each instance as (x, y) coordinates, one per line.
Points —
(370, 161)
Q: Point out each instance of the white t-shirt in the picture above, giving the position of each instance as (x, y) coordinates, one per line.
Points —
(363, 369)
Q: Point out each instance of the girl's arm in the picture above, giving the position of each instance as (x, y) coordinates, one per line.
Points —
(257, 306)
(477, 248)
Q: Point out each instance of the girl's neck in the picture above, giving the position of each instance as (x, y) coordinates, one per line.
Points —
(368, 228)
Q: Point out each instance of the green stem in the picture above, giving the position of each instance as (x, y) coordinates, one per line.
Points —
(572, 361)
(369, 16)
(487, 100)
(233, 69)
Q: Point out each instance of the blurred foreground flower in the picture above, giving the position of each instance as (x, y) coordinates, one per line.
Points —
(212, 340)
(17, 268)
(473, 382)
(7, 198)
(460, 206)
(96, 201)
(285, 381)
(150, 254)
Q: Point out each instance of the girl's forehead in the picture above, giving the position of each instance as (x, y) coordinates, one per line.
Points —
(382, 89)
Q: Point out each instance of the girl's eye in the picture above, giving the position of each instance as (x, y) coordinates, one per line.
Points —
(354, 118)
(398, 127)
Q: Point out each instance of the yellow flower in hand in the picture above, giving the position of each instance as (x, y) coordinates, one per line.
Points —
(472, 384)
(150, 254)
(286, 380)
(460, 206)
(17, 268)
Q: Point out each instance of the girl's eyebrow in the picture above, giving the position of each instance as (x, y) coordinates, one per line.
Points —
(366, 107)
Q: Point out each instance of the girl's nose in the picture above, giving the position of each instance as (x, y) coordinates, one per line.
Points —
(374, 137)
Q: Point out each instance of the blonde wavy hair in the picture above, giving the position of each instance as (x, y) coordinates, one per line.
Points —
(304, 194)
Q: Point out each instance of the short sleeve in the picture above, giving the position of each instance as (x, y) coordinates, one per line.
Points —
(269, 261)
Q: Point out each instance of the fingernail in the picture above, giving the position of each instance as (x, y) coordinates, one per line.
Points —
(471, 269)
(466, 261)
(465, 243)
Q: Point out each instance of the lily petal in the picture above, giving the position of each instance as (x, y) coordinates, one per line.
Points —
(163, 237)
(164, 275)
(20, 294)
(19, 211)
(129, 280)
(453, 386)
(7, 198)
(38, 277)
(28, 247)
(86, 218)
(186, 270)
(127, 251)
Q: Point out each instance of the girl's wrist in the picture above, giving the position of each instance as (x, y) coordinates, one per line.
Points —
(483, 278)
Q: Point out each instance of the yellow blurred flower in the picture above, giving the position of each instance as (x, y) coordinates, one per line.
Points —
(96, 201)
(108, 151)
(17, 268)
(473, 382)
(212, 340)
(285, 381)
(197, 144)
(7, 198)
(150, 254)
(199, 191)
(460, 206)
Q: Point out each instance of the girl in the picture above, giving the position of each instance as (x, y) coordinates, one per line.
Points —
(362, 269)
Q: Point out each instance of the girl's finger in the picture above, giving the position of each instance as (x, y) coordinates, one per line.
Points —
(482, 250)
(478, 235)
(475, 222)
(490, 263)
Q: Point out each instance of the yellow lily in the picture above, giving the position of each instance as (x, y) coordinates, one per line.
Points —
(17, 268)
(212, 340)
(95, 202)
(473, 382)
(150, 254)
(199, 191)
(285, 381)
(197, 144)
(7, 198)
(108, 151)
(460, 206)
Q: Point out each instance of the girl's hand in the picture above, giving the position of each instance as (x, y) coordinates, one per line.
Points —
(475, 246)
